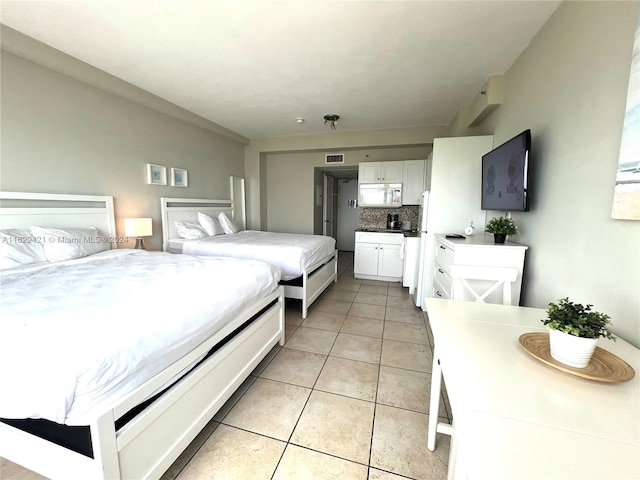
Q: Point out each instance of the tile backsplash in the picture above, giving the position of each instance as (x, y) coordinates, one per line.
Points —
(371, 217)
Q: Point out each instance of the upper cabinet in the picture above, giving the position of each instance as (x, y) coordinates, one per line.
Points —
(380, 172)
(413, 181)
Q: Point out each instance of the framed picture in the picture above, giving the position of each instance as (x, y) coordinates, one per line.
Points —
(156, 174)
(179, 177)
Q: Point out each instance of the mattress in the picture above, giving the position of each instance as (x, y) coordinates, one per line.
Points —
(292, 253)
(76, 336)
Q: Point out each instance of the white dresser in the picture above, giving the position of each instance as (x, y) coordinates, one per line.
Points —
(476, 250)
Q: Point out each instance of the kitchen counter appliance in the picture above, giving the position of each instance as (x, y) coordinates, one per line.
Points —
(380, 195)
(393, 222)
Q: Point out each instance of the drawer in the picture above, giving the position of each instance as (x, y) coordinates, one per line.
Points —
(443, 280)
(439, 291)
(384, 238)
(444, 256)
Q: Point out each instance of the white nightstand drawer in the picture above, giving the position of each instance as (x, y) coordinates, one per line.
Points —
(442, 278)
(439, 291)
(444, 256)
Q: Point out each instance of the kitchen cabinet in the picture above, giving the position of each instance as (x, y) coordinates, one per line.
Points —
(477, 250)
(380, 172)
(414, 176)
(377, 256)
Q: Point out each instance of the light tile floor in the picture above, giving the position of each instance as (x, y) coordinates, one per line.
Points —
(347, 397)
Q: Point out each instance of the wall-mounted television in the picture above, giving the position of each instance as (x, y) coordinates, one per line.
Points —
(505, 175)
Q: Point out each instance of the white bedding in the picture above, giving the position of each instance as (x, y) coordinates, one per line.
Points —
(77, 335)
(291, 253)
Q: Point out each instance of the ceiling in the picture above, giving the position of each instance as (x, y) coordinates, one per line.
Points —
(253, 67)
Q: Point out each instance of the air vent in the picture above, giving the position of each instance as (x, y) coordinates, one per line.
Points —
(334, 158)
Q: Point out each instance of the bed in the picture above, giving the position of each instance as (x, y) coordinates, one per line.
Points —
(309, 263)
(119, 358)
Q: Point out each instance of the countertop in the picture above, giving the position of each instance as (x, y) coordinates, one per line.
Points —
(406, 233)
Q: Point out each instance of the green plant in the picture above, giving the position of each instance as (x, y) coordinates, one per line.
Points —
(577, 320)
(501, 225)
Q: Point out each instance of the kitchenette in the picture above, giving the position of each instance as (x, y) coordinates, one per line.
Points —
(387, 241)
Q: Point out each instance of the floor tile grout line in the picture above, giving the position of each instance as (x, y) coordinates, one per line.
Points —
(314, 388)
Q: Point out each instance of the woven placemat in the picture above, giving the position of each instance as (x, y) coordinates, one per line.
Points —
(603, 367)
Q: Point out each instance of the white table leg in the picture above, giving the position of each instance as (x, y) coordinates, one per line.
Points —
(434, 402)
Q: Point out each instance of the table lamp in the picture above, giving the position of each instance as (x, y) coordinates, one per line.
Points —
(138, 227)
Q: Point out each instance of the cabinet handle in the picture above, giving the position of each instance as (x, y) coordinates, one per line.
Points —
(440, 270)
(438, 293)
(442, 247)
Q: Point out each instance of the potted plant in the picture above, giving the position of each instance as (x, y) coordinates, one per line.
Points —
(574, 330)
(501, 227)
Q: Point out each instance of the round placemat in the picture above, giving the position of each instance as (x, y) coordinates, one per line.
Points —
(603, 367)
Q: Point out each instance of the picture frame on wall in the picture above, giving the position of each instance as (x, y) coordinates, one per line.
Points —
(156, 174)
(179, 177)
(626, 193)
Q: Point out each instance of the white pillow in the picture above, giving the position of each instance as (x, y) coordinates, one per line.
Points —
(69, 243)
(227, 224)
(190, 231)
(210, 225)
(19, 247)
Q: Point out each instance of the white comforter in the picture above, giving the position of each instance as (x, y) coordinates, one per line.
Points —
(75, 336)
(290, 252)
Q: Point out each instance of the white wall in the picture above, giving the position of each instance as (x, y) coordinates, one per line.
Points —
(569, 87)
(62, 135)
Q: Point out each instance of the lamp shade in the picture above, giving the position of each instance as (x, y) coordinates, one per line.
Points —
(138, 227)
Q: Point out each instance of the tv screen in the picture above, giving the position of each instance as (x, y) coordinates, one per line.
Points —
(505, 172)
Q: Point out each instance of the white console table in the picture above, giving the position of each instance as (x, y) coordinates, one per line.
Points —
(515, 417)
(478, 250)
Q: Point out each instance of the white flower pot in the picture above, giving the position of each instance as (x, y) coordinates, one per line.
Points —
(571, 350)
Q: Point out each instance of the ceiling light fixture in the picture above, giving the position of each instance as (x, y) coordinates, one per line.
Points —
(331, 119)
(299, 120)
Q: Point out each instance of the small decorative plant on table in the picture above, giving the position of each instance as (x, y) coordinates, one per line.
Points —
(501, 227)
(574, 330)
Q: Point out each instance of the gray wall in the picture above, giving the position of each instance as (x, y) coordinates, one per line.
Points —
(62, 135)
(290, 184)
(569, 87)
(360, 146)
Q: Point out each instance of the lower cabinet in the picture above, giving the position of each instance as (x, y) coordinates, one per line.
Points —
(377, 256)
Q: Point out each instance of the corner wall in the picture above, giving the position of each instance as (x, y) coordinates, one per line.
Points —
(569, 87)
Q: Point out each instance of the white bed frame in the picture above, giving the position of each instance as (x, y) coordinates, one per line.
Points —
(315, 279)
(148, 444)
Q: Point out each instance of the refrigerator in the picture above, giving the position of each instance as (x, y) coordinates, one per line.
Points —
(453, 199)
(423, 212)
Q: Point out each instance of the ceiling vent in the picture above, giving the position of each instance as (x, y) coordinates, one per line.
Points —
(334, 158)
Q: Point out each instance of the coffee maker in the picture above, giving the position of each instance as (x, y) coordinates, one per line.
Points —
(393, 222)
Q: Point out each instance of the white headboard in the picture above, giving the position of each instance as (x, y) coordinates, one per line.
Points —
(186, 210)
(23, 210)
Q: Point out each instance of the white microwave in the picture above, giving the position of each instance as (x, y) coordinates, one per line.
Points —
(380, 194)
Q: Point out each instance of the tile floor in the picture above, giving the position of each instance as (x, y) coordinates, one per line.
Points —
(345, 398)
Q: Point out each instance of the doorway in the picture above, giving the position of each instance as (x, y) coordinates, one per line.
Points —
(348, 214)
(337, 197)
